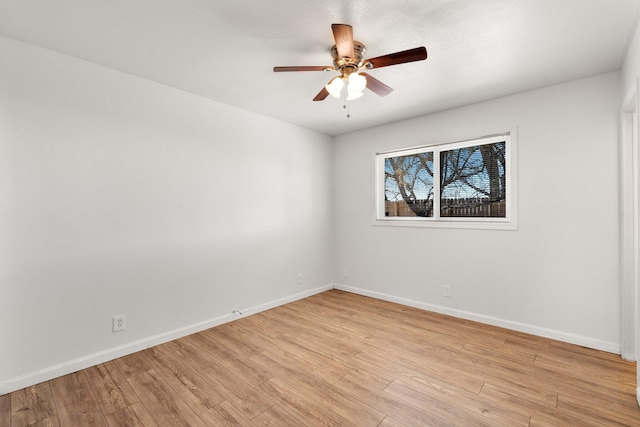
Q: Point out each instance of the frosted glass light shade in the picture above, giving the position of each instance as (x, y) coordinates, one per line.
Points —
(357, 82)
(334, 87)
(353, 95)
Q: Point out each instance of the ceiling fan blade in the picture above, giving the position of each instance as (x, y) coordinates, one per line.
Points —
(343, 35)
(303, 68)
(321, 95)
(411, 55)
(376, 85)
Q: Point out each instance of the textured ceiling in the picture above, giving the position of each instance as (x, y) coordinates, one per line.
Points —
(225, 50)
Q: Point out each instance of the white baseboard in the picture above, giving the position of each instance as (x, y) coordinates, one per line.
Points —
(89, 360)
(516, 326)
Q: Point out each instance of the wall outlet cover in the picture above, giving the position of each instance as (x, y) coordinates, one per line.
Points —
(118, 323)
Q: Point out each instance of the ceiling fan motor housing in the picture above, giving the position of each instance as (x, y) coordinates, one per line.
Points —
(348, 65)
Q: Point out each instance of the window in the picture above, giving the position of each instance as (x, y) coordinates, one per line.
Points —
(461, 184)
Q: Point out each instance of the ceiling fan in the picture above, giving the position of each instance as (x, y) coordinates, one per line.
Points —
(347, 56)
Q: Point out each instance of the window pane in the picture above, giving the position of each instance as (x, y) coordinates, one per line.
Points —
(408, 185)
(472, 181)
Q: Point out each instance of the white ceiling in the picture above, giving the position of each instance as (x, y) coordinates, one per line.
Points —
(225, 50)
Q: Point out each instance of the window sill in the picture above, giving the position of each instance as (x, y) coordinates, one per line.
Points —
(477, 224)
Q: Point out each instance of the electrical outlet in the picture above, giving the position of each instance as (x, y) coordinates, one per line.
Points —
(118, 323)
(446, 291)
(299, 278)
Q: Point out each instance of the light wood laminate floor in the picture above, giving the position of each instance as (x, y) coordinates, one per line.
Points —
(339, 359)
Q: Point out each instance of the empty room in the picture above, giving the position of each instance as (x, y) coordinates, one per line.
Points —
(319, 213)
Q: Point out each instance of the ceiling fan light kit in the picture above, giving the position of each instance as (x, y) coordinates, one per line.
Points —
(348, 55)
(355, 84)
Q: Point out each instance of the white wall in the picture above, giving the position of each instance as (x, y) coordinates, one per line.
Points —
(558, 274)
(123, 196)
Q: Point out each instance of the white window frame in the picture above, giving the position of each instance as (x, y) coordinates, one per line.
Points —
(509, 222)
